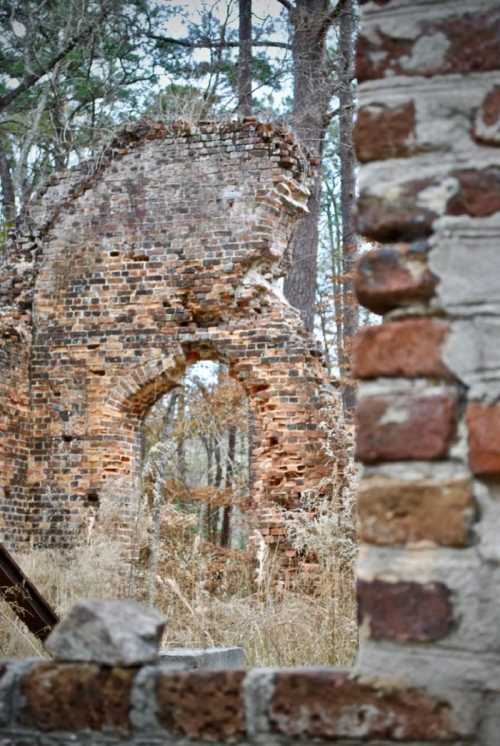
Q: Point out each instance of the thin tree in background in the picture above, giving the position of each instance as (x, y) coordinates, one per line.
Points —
(225, 535)
(7, 184)
(245, 59)
(347, 28)
(314, 84)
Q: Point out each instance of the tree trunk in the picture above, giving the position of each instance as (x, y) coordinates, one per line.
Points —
(7, 184)
(181, 444)
(225, 536)
(245, 59)
(311, 99)
(347, 23)
(213, 511)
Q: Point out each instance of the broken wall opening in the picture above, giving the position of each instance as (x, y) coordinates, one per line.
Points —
(196, 452)
(196, 518)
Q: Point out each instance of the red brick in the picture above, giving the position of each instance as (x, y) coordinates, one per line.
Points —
(401, 348)
(404, 611)
(404, 427)
(483, 422)
(397, 511)
(395, 132)
(473, 46)
(204, 705)
(73, 697)
(333, 705)
(394, 277)
(398, 217)
(478, 194)
(486, 127)
(490, 106)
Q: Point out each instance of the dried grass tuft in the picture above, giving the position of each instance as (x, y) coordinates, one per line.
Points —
(208, 593)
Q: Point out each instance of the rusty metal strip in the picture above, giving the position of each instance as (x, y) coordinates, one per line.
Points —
(23, 597)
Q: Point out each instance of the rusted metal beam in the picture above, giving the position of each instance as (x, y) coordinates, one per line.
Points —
(24, 598)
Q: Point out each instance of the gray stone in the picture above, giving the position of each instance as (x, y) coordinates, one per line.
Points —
(111, 632)
(212, 658)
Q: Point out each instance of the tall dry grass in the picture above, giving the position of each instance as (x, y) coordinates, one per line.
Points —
(209, 594)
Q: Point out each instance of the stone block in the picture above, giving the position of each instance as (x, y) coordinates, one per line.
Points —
(397, 511)
(404, 611)
(466, 260)
(72, 697)
(113, 632)
(405, 426)
(206, 658)
(409, 349)
(394, 277)
(202, 705)
(483, 423)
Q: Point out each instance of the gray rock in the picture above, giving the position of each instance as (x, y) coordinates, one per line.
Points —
(111, 632)
(212, 658)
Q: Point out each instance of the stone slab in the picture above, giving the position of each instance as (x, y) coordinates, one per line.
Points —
(209, 658)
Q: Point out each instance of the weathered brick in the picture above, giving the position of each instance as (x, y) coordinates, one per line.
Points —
(74, 697)
(405, 427)
(465, 43)
(478, 194)
(408, 348)
(396, 217)
(205, 705)
(405, 214)
(395, 128)
(483, 423)
(397, 511)
(332, 705)
(486, 127)
(394, 276)
(404, 611)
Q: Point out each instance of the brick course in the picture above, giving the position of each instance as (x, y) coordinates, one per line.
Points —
(218, 707)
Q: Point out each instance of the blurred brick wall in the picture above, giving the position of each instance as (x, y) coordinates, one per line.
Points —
(428, 137)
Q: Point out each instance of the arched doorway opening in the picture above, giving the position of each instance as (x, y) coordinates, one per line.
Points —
(195, 486)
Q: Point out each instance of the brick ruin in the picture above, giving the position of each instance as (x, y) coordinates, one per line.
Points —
(164, 251)
(428, 137)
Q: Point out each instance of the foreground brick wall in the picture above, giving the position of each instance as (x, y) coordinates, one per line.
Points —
(164, 251)
(60, 703)
(428, 137)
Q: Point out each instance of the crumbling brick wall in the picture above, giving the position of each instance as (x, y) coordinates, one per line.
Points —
(163, 251)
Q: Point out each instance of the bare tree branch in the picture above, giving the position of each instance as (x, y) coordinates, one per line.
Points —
(286, 4)
(335, 13)
(333, 16)
(32, 78)
(215, 44)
